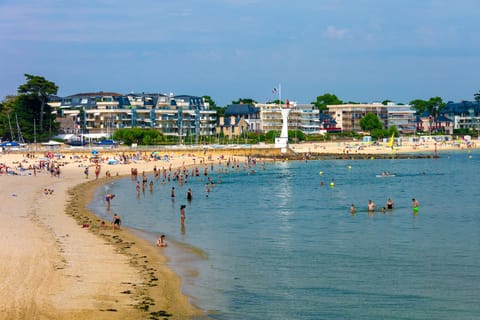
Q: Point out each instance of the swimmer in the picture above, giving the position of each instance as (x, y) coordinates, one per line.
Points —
(415, 205)
(389, 204)
(353, 209)
(371, 206)
(161, 241)
(189, 194)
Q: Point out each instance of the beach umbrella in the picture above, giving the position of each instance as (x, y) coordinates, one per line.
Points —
(94, 152)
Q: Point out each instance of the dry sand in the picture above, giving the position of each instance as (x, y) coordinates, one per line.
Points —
(53, 268)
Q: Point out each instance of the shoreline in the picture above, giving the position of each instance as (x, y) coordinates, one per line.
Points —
(54, 268)
(158, 294)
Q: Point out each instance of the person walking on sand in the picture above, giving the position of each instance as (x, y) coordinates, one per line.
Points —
(116, 221)
(86, 172)
(97, 171)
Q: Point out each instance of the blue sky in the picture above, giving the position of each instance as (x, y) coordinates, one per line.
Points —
(360, 50)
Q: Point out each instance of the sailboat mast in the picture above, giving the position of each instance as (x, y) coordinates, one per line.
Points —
(12, 138)
(35, 132)
(20, 137)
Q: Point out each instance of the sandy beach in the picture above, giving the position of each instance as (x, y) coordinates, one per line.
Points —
(58, 263)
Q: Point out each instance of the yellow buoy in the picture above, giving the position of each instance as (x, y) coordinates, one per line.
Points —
(332, 184)
(349, 167)
(469, 157)
(320, 173)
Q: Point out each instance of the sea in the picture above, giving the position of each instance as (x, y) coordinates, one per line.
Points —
(277, 240)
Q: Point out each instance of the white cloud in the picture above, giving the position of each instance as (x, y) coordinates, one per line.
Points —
(335, 33)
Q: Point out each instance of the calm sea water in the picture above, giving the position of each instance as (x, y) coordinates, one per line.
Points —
(276, 244)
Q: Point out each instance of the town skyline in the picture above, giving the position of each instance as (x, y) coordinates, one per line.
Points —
(363, 51)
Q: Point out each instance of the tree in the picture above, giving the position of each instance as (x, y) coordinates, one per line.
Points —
(420, 106)
(326, 99)
(139, 136)
(210, 101)
(276, 101)
(385, 102)
(6, 108)
(435, 105)
(36, 91)
(370, 122)
(477, 96)
(392, 130)
(432, 106)
(244, 101)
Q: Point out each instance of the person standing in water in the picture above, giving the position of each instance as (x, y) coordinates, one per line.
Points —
(109, 198)
(353, 209)
(189, 194)
(389, 203)
(371, 206)
(182, 214)
(415, 205)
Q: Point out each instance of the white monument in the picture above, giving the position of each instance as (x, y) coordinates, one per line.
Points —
(282, 141)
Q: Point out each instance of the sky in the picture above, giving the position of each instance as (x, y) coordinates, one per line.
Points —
(359, 50)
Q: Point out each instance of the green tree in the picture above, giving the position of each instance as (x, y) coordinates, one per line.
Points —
(435, 106)
(276, 101)
(326, 99)
(244, 101)
(370, 122)
(139, 136)
(210, 101)
(477, 96)
(432, 106)
(7, 107)
(271, 135)
(385, 102)
(420, 106)
(392, 130)
(35, 94)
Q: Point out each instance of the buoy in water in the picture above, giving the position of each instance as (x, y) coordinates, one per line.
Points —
(320, 173)
(469, 157)
(349, 167)
(332, 184)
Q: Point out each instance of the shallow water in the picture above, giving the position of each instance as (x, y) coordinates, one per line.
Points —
(276, 244)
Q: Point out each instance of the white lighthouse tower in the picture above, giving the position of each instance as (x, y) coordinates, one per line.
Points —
(282, 141)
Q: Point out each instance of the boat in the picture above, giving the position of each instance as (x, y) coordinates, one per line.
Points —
(386, 175)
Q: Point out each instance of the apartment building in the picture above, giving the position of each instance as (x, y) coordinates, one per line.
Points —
(464, 114)
(105, 112)
(304, 117)
(347, 116)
